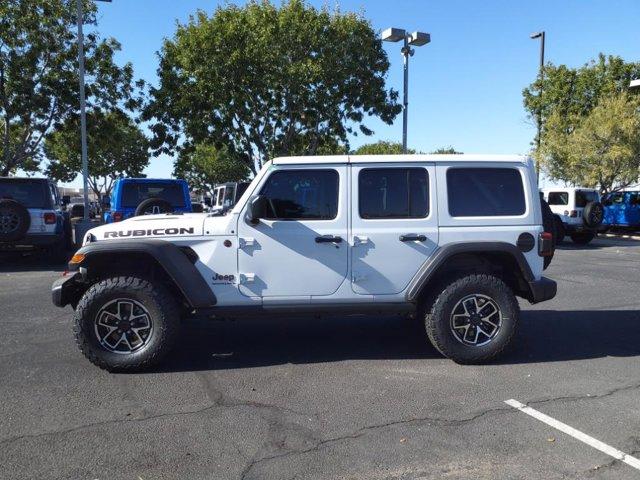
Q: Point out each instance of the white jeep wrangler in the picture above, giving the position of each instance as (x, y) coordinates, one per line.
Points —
(577, 212)
(451, 238)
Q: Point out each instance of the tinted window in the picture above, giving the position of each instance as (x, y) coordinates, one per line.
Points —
(393, 193)
(135, 193)
(302, 194)
(558, 198)
(28, 193)
(585, 196)
(485, 192)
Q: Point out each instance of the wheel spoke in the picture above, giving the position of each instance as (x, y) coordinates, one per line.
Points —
(474, 316)
(123, 326)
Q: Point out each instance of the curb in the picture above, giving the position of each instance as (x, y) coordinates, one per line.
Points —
(624, 236)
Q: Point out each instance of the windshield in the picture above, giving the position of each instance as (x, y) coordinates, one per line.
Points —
(135, 193)
(28, 193)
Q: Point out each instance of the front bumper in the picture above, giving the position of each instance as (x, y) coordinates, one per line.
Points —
(542, 290)
(65, 289)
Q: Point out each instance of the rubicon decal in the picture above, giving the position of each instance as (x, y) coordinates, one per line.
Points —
(158, 232)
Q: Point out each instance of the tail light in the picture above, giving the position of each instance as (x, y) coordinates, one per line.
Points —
(117, 216)
(573, 214)
(545, 244)
(50, 218)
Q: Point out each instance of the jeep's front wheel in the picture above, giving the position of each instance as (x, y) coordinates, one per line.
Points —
(126, 323)
(473, 319)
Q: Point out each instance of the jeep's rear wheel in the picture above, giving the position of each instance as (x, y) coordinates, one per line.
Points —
(473, 319)
(126, 323)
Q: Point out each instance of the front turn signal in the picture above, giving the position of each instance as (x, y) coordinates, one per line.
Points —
(77, 258)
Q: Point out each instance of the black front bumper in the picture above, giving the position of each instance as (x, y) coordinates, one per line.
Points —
(65, 289)
(543, 289)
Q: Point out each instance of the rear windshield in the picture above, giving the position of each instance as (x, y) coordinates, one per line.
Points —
(28, 193)
(558, 198)
(135, 193)
(585, 196)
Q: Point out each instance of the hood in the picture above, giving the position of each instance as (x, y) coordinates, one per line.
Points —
(152, 226)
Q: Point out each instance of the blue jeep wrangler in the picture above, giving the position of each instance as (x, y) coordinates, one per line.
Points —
(131, 197)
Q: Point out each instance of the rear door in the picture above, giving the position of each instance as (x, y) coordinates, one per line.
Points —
(394, 225)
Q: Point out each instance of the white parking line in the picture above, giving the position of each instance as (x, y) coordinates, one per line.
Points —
(583, 437)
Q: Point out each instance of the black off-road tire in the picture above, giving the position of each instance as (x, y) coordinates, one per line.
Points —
(14, 220)
(149, 203)
(438, 317)
(582, 238)
(163, 310)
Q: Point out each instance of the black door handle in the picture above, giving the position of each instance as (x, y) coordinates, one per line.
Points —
(328, 239)
(413, 238)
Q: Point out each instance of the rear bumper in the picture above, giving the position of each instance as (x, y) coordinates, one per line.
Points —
(542, 290)
(40, 240)
(570, 228)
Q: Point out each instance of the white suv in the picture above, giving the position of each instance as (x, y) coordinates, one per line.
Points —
(577, 212)
(450, 238)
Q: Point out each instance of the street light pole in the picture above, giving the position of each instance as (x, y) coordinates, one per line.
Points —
(83, 115)
(541, 36)
(416, 39)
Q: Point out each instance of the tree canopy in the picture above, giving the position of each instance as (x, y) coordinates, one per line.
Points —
(267, 80)
(572, 101)
(382, 147)
(206, 165)
(602, 150)
(39, 76)
(116, 147)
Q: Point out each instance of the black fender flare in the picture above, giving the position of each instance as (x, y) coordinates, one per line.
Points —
(428, 269)
(174, 261)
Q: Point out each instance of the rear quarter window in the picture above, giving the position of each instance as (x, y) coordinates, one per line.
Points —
(558, 198)
(485, 192)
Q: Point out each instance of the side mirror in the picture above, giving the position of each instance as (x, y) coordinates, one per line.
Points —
(256, 209)
(66, 199)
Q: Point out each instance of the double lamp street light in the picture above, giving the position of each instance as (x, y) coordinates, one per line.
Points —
(415, 39)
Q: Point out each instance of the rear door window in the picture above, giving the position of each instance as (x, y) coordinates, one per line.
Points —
(485, 192)
(393, 193)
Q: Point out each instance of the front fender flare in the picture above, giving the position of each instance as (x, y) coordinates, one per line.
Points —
(168, 256)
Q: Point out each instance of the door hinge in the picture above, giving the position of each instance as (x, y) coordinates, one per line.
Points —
(246, 242)
(247, 277)
(360, 240)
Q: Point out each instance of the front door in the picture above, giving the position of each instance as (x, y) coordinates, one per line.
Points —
(301, 248)
(394, 225)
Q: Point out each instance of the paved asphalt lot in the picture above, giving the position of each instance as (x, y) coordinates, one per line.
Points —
(347, 398)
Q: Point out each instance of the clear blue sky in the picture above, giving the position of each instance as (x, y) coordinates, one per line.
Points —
(465, 86)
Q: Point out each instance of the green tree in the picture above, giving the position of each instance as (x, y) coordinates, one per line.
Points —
(569, 95)
(268, 81)
(39, 75)
(116, 147)
(446, 151)
(382, 147)
(603, 148)
(208, 165)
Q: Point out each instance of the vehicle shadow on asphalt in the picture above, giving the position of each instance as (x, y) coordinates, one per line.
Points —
(37, 261)
(246, 343)
(598, 244)
(544, 336)
(557, 335)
